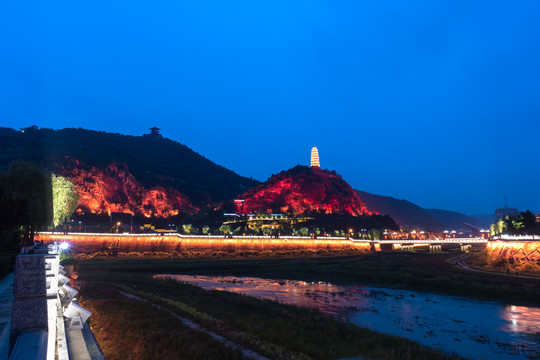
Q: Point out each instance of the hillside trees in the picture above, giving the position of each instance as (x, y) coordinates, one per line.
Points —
(522, 224)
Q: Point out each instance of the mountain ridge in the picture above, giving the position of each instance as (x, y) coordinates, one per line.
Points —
(412, 216)
(152, 159)
(163, 177)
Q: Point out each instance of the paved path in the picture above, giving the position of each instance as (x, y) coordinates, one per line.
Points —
(461, 262)
(6, 300)
(245, 352)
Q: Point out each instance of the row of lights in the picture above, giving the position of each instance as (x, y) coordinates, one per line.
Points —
(76, 314)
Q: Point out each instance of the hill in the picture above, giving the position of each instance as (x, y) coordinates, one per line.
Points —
(157, 167)
(405, 213)
(115, 189)
(454, 220)
(305, 190)
(412, 216)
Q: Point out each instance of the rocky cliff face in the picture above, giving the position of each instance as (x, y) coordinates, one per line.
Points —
(114, 189)
(305, 190)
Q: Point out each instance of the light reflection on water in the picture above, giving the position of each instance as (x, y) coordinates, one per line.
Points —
(470, 328)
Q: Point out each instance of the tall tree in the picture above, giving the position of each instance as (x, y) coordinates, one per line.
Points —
(64, 198)
(25, 199)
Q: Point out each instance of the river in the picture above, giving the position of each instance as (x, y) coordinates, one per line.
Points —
(468, 327)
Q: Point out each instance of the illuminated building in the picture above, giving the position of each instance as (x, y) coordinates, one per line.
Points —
(315, 158)
(239, 204)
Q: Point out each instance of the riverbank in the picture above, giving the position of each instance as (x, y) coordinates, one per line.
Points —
(419, 271)
(274, 330)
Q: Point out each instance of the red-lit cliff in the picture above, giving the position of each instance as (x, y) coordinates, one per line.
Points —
(303, 190)
(114, 189)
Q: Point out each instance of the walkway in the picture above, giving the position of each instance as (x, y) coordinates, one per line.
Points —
(461, 262)
(6, 300)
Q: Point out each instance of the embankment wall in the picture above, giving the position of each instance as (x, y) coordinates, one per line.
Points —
(513, 251)
(92, 243)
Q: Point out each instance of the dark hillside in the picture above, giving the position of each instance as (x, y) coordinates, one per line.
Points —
(151, 159)
(454, 220)
(405, 213)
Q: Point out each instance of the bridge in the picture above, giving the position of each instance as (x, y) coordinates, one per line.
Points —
(435, 245)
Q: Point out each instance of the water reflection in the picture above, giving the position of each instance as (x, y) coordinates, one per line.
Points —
(522, 320)
(471, 328)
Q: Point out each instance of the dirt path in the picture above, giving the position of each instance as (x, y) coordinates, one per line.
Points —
(245, 352)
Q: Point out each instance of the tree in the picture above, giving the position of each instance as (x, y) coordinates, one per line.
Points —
(524, 223)
(205, 229)
(25, 199)
(374, 234)
(226, 229)
(64, 198)
(187, 228)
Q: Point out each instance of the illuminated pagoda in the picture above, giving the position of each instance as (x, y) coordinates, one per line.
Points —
(315, 158)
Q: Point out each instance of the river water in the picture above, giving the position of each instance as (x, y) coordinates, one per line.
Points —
(470, 328)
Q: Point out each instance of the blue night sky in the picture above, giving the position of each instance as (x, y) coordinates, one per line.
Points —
(437, 101)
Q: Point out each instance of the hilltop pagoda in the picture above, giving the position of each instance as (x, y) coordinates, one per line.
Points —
(315, 158)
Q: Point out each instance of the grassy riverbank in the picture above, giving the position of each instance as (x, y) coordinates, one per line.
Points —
(420, 271)
(130, 329)
(274, 330)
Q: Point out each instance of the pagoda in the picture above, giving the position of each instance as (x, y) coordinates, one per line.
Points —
(315, 158)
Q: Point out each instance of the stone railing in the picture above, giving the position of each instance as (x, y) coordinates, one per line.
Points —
(43, 307)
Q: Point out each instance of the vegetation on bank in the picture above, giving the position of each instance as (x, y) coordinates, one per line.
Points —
(129, 329)
(274, 330)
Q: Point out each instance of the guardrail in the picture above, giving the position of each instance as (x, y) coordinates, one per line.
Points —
(192, 236)
(41, 314)
(294, 237)
(435, 241)
(516, 237)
